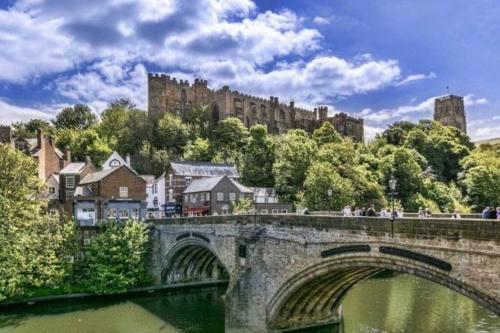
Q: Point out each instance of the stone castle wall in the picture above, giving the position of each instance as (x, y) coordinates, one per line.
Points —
(166, 94)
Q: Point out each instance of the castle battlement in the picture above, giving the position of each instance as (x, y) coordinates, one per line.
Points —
(167, 94)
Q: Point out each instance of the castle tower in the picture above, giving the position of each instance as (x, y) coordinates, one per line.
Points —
(449, 111)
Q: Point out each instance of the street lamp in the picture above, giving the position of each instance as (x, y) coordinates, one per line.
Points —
(330, 192)
(392, 186)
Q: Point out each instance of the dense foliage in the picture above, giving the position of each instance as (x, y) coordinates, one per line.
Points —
(436, 166)
(34, 249)
(116, 259)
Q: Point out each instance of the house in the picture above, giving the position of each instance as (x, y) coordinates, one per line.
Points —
(49, 158)
(53, 189)
(213, 196)
(69, 179)
(115, 160)
(267, 201)
(168, 188)
(117, 193)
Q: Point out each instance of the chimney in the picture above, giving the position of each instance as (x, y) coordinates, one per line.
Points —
(127, 159)
(5, 134)
(67, 154)
(39, 138)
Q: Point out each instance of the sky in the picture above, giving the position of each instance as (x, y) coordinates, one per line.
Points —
(382, 60)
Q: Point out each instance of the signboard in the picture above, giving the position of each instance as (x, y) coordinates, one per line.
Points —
(172, 208)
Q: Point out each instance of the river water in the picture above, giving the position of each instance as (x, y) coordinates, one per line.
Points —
(385, 303)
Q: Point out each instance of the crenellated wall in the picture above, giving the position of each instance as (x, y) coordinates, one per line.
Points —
(166, 94)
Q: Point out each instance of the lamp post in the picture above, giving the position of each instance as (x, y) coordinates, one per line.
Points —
(392, 186)
(330, 192)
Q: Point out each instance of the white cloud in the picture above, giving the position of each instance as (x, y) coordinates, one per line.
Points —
(11, 113)
(321, 20)
(416, 77)
(484, 128)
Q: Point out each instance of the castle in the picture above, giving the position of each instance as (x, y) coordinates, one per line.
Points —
(166, 94)
(449, 110)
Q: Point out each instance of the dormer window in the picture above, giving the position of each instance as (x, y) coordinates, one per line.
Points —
(188, 180)
(70, 181)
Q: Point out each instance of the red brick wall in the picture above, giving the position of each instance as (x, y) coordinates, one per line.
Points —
(109, 187)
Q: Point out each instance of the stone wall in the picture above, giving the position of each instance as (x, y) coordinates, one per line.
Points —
(166, 94)
(449, 111)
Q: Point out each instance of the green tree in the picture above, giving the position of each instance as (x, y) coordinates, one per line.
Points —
(325, 189)
(83, 144)
(114, 121)
(29, 129)
(481, 179)
(326, 134)
(258, 159)
(242, 206)
(32, 251)
(294, 154)
(78, 117)
(198, 150)
(171, 134)
(116, 258)
(198, 121)
(229, 139)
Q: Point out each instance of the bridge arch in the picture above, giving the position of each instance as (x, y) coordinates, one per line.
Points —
(192, 260)
(312, 296)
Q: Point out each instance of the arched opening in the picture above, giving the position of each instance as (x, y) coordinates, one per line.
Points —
(312, 297)
(192, 262)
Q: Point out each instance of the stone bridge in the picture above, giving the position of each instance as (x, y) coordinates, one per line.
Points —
(291, 271)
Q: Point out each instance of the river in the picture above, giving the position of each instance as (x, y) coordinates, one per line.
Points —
(385, 303)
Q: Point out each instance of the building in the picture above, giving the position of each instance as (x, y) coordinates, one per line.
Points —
(49, 158)
(267, 201)
(166, 94)
(168, 188)
(450, 111)
(117, 193)
(213, 196)
(69, 179)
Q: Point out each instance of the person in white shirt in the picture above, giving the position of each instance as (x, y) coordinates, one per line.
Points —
(347, 211)
(455, 215)
(383, 213)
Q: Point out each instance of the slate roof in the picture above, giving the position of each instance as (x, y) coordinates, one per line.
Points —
(100, 175)
(208, 184)
(204, 169)
(84, 191)
(73, 168)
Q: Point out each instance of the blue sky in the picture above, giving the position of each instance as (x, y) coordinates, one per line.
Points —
(382, 60)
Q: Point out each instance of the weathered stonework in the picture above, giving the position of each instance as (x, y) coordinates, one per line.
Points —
(166, 94)
(291, 271)
(449, 111)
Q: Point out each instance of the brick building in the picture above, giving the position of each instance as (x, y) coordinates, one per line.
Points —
(116, 193)
(166, 94)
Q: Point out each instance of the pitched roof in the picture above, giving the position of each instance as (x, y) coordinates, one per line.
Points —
(208, 184)
(204, 169)
(84, 191)
(100, 175)
(114, 157)
(148, 178)
(73, 168)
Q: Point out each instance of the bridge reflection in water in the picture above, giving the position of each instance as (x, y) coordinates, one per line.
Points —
(289, 272)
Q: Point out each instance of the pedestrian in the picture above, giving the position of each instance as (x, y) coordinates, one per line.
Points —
(421, 213)
(493, 213)
(455, 215)
(347, 211)
(363, 211)
(486, 213)
(428, 213)
(306, 211)
(357, 211)
(384, 212)
(399, 212)
(371, 211)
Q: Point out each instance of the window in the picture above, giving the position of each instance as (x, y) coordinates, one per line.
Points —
(52, 190)
(135, 213)
(155, 188)
(232, 196)
(70, 181)
(220, 196)
(123, 213)
(284, 211)
(155, 201)
(170, 180)
(170, 195)
(123, 192)
(188, 180)
(112, 213)
(202, 197)
(20, 146)
(186, 198)
(275, 211)
(208, 196)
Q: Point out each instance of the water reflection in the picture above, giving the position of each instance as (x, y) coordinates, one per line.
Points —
(386, 303)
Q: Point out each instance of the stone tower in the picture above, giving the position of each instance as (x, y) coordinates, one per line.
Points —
(449, 111)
